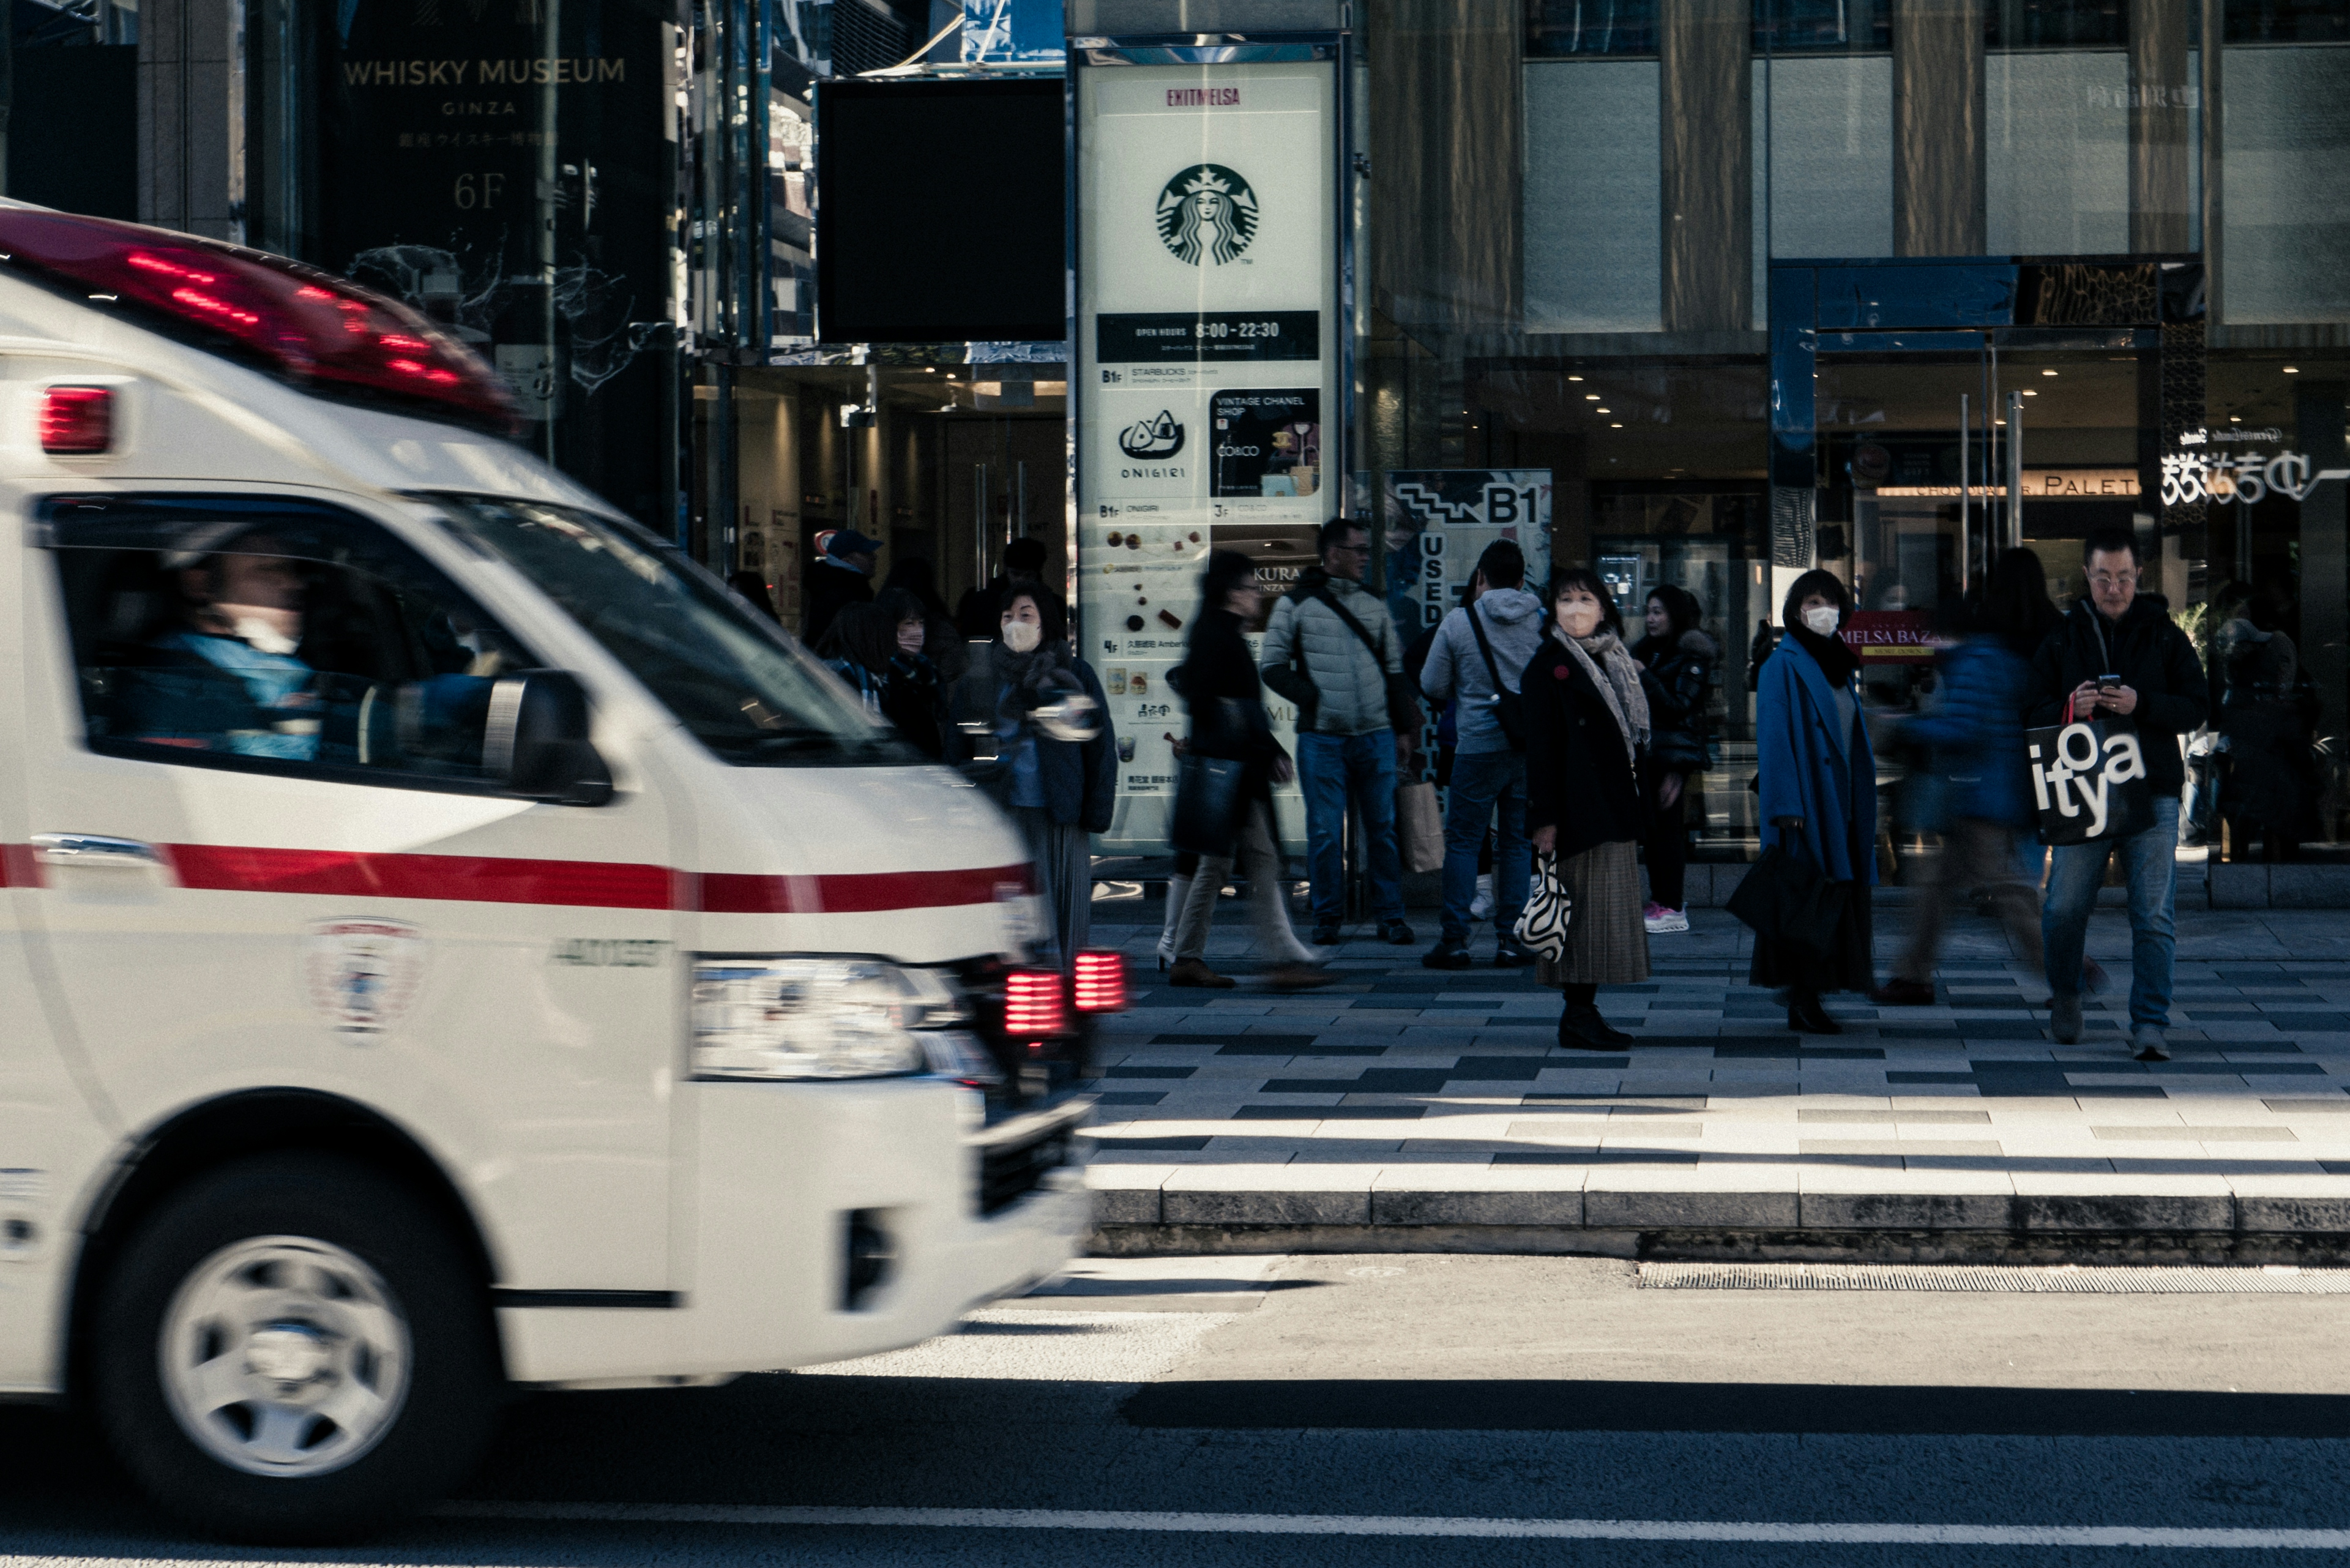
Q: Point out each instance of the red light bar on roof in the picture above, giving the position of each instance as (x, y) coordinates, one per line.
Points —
(305, 325)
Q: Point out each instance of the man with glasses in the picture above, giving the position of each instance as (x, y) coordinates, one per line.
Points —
(2119, 657)
(1332, 649)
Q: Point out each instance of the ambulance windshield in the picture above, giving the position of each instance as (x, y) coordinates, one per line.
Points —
(742, 689)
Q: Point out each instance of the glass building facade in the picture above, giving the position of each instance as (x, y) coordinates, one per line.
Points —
(1767, 284)
(1876, 284)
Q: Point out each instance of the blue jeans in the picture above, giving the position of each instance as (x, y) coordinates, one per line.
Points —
(2150, 861)
(1481, 781)
(1330, 769)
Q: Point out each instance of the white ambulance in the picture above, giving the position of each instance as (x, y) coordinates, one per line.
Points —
(448, 942)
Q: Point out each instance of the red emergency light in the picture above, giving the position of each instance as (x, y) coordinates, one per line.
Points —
(1100, 981)
(77, 422)
(1032, 1003)
(306, 325)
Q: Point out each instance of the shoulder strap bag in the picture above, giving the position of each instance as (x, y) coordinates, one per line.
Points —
(1509, 708)
(1403, 702)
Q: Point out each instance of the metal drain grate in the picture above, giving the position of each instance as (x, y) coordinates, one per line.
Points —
(2064, 1279)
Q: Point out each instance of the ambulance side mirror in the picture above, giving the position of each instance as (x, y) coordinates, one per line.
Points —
(535, 739)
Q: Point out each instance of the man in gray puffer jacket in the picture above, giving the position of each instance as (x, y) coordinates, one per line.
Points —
(1489, 769)
(1348, 741)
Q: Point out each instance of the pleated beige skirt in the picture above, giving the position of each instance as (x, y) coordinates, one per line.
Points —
(1606, 944)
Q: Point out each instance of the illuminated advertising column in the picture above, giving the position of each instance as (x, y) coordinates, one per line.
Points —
(1207, 393)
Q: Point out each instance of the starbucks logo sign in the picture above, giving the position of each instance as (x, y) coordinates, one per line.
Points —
(1207, 210)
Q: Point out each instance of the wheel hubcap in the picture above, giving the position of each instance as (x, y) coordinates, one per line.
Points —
(285, 1355)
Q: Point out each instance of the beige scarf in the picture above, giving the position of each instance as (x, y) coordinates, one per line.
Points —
(1619, 687)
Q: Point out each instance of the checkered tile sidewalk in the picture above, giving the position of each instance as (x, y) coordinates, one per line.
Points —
(1398, 1078)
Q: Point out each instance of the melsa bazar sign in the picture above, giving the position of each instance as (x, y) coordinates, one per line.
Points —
(1890, 634)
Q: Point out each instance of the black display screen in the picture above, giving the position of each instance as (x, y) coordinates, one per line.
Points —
(941, 212)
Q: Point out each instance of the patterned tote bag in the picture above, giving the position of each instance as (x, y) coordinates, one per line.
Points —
(1542, 924)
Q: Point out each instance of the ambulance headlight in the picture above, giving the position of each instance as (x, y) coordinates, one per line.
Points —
(814, 1018)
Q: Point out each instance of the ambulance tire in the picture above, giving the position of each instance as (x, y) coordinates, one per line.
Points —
(339, 1308)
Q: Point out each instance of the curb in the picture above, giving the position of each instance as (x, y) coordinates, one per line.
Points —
(1850, 1227)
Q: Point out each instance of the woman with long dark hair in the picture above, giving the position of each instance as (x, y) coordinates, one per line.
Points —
(1226, 697)
(915, 695)
(1977, 736)
(1818, 785)
(1677, 661)
(1055, 770)
(1586, 720)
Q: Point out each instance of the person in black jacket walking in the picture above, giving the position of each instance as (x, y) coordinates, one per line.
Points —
(1056, 757)
(2119, 657)
(1676, 661)
(1586, 719)
(1220, 686)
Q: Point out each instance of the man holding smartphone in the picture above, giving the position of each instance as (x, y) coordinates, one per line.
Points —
(2117, 655)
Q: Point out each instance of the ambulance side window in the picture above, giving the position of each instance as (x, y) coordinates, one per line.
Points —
(262, 635)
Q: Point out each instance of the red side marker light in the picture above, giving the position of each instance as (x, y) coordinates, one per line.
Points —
(77, 422)
(1101, 982)
(1032, 1003)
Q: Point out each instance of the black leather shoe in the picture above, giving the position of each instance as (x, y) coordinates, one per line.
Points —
(1807, 1015)
(1395, 934)
(1584, 1029)
(1447, 954)
(1326, 933)
(1510, 955)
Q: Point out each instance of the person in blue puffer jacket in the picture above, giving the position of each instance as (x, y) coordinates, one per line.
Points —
(1977, 736)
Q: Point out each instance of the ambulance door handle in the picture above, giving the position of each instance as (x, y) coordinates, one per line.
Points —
(94, 849)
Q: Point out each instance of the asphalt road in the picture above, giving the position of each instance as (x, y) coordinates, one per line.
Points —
(1407, 1410)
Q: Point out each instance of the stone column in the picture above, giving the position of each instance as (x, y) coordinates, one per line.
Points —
(2158, 150)
(1705, 158)
(1938, 127)
(2325, 644)
(1447, 114)
(191, 116)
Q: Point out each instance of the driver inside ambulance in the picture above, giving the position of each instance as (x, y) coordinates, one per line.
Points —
(230, 678)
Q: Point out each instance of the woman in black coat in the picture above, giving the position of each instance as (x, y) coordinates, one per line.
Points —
(1676, 661)
(1586, 721)
(1220, 686)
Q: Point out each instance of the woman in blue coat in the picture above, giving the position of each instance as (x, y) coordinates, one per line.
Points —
(1818, 785)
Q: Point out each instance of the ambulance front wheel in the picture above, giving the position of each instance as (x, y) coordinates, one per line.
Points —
(294, 1349)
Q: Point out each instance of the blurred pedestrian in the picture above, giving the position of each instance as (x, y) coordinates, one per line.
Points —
(1475, 662)
(2117, 655)
(843, 575)
(858, 646)
(1817, 777)
(914, 697)
(1023, 561)
(942, 642)
(1226, 698)
(1586, 721)
(1977, 737)
(1055, 751)
(754, 589)
(2255, 672)
(1676, 659)
(1331, 649)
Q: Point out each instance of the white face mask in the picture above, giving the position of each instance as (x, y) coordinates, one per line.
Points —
(1022, 636)
(1578, 617)
(1821, 619)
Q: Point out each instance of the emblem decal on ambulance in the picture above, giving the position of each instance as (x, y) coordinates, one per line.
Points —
(363, 974)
